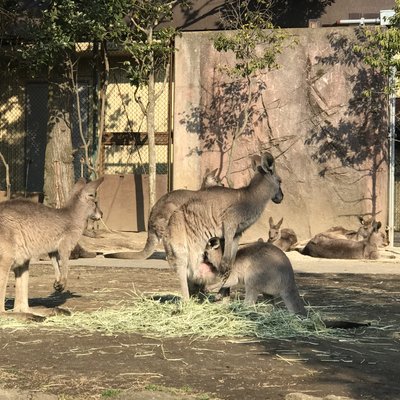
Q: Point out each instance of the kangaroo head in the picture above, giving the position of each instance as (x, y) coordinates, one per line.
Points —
(85, 193)
(213, 251)
(211, 179)
(274, 230)
(367, 226)
(375, 237)
(267, 168)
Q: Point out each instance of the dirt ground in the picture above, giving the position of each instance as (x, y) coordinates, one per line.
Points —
(92, 365)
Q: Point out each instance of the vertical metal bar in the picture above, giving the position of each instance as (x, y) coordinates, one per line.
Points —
(392, 134)
(170, 126)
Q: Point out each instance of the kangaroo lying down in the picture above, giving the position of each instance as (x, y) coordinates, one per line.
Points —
(28, 230)
(160, 215)
(366, 226)
(332, 247)
(284, 238)
(218, 212)
(263, 269)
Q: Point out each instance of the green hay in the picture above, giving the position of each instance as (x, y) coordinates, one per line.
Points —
(176, 319)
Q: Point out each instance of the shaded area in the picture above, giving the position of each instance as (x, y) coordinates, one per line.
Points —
(363, 366)
(354, 148)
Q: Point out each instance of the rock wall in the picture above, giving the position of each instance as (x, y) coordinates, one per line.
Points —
(329, 140)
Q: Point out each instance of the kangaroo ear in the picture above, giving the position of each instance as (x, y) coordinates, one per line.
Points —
(214, 243)
(214, 172)
(271, 221)
(79, 185)
(377, 226)
(268, 163)
(278, 225)
(255, 161)
(92, 186)
(361, 219)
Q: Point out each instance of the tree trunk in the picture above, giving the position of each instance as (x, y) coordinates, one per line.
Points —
(152, 142)
(105, 76)
(150, 120)
(59, 172)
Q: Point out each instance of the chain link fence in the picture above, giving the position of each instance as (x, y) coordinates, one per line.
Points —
(23, 131)
(125, 141)
(12, 133)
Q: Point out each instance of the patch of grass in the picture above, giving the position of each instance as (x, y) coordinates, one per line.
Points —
(109, 393)
(176, 319)
(185, 390)
(154, 388)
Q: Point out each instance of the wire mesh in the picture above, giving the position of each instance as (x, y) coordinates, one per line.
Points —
(24, 124)
(125, 142)
(12, 133)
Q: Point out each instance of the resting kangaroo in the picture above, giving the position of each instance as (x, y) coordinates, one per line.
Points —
(218, 212)
(263, 268)
(160, 215)
(28, 230)
(330, 247)
(282, 238)
(361, 233)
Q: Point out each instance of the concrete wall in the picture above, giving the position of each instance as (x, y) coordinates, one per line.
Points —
(329, 140)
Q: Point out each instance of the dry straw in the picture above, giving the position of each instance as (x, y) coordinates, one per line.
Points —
(148, 315)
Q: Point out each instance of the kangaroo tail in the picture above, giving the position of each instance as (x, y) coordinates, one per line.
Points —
(147, 251)
(344, 324)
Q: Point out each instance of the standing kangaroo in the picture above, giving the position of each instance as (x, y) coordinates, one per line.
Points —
(28, 230)
(262, 267)
(218, 212)
(332, 247)
(283, 238)
(160, 215)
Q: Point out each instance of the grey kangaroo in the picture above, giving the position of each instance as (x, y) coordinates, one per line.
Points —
(28, 230)
(332, 247)
(361, 233)
(218, 212)
(283, 238)
(160, 215)
(262, 267)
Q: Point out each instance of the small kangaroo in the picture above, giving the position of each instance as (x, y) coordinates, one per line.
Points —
(160, 215)
(218, 212)
(332, 247)
(28, 230)
(283, 238)
(262, 267)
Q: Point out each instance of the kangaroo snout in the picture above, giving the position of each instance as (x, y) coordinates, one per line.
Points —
(278, 197)
(97, 214)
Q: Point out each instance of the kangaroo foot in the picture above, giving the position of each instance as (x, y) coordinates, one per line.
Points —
(22, 316)
(59, 286)
(59, 311)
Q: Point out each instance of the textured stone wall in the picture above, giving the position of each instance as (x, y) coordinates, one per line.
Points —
(329, 140)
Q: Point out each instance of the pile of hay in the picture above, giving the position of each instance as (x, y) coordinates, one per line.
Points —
(148, 315)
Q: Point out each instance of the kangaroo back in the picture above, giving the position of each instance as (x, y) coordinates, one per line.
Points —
(160, 215)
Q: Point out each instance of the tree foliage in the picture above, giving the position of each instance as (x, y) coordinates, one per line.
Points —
(255, 44)
(379, 46)
(252, 27)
